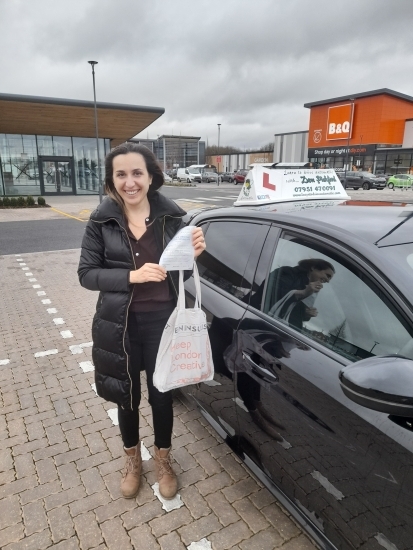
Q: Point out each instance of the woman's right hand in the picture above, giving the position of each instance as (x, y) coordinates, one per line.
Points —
(312, 287)
(148, 273)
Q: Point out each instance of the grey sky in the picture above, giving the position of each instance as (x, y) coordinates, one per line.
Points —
(249, 65)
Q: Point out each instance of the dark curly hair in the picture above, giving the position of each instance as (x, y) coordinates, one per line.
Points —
(152, 166)
(316, 263)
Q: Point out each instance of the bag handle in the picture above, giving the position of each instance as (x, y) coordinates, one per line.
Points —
(181, 297)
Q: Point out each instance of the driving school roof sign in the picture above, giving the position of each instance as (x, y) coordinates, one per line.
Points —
(264, 185)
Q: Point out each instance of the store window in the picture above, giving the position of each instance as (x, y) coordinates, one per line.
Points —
(19, 166)
(86, 164)
(332, 302)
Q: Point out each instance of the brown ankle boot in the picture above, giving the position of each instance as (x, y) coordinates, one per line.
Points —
(132, 472)
(168, 484)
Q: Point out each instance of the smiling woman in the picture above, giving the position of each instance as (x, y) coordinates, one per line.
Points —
(123, 242)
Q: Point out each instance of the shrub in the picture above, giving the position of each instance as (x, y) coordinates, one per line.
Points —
(30, 201)
(21, 201)
(6, 201)
(13, 202)
(41, 201)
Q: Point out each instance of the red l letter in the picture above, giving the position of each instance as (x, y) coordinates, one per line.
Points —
(266, 182)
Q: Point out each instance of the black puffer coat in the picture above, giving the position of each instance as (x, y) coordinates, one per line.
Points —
(105, 262)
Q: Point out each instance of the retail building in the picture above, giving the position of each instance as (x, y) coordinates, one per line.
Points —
(176, 151)
(48, 145)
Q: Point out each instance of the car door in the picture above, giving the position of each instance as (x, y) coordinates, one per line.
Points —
(226, 269)
(347, 468)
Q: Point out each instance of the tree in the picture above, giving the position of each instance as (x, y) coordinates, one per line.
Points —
(339, 331)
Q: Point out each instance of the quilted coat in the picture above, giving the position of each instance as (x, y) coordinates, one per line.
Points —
(105, 262)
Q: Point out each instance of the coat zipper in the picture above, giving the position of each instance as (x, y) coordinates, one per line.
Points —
(127, 310)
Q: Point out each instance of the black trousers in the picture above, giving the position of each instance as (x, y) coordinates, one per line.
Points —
(145, 332)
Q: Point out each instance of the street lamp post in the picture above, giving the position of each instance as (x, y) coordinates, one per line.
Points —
(349, 132)
(93, 63)
(219, 134)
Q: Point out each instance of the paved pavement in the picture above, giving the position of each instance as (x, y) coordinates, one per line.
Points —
(60, 450)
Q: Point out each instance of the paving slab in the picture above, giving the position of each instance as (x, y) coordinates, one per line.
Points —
(60, 451)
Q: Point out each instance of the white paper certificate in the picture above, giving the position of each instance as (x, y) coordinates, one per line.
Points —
(179, 254)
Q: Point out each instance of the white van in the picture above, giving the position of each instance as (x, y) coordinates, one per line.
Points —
(183, 174)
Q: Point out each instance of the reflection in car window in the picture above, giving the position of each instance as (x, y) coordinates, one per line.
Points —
(228, 246)
(332, 303)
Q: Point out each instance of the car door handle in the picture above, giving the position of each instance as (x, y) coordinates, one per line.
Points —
(262, 372)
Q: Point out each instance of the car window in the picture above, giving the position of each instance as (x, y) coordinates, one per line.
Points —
(332, 302)
(223, 263)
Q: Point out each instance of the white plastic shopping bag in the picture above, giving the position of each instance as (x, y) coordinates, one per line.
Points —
(184, 355)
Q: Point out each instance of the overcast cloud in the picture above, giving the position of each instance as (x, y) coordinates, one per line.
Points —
(248, 65)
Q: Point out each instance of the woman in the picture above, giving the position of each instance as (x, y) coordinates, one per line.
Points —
(294, 289)
(121, 248)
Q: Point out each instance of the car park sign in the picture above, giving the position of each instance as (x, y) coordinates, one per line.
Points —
(264, 185)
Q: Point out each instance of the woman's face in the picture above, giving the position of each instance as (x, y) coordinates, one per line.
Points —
(131, 178)
(320, 275)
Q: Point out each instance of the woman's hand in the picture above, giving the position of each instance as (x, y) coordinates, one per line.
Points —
(315, 286)
(148, 273)
(198, 241)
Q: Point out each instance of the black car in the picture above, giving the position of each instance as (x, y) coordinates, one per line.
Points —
(365, 180)
(310, 314)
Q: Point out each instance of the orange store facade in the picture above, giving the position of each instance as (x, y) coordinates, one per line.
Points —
(368, 131)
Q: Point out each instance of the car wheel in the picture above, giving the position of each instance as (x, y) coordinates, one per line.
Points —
(390, 185)
(188, 180)
(235, 182)
(355, 188)
(366, 186)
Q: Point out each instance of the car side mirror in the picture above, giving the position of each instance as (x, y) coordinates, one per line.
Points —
(383, 384)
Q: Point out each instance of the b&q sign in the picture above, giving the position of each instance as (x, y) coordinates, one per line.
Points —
(339, 123)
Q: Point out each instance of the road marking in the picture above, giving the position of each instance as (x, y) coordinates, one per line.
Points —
(188, 200)
(66, 334)
(21, 265)
(202, 544)
(384, 541)
(32, 280)
(329, 487)
(4, 362)
(240, 403)
(25, 268)
(51, 310)
(78, 348)
(58, 321)
(94, 388)
(29, 274)
(392, 479)
(145, 454)
(41, 293)
(113, 415)
(68, 215)
(170, 504)
(36, 286)
(87, 366)
(47, 352)
(46, 301)
(212, 383)
(212, 198)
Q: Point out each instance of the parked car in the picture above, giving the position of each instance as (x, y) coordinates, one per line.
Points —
(209, 177)
(400, 180)
(227, 176)
(183, 174)
(239, 176)
(311, 330)
(366, 180)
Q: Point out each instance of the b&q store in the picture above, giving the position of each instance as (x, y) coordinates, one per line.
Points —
(369, 131)
(48, 145)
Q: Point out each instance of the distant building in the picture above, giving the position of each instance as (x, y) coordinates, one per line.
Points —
(291, 147)
(176, 151)
(48, 145)
(238, 161)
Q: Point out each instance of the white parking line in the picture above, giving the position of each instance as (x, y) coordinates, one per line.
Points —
(78, 348)
(21, 265)
(113, 415)
(32, 280)
(66, 334)
(24, 268)
(87, 366)
(58, 321)
(46, 301)
(189, 200)
(202, 544)
(51, 309)
(47, 352)
(167, 505)
(29, 274)
(41, 293)
(36, 286)
(4, 362)
(328, 486)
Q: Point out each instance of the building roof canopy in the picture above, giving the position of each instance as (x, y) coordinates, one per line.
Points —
(349, 97)
(21, 114)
